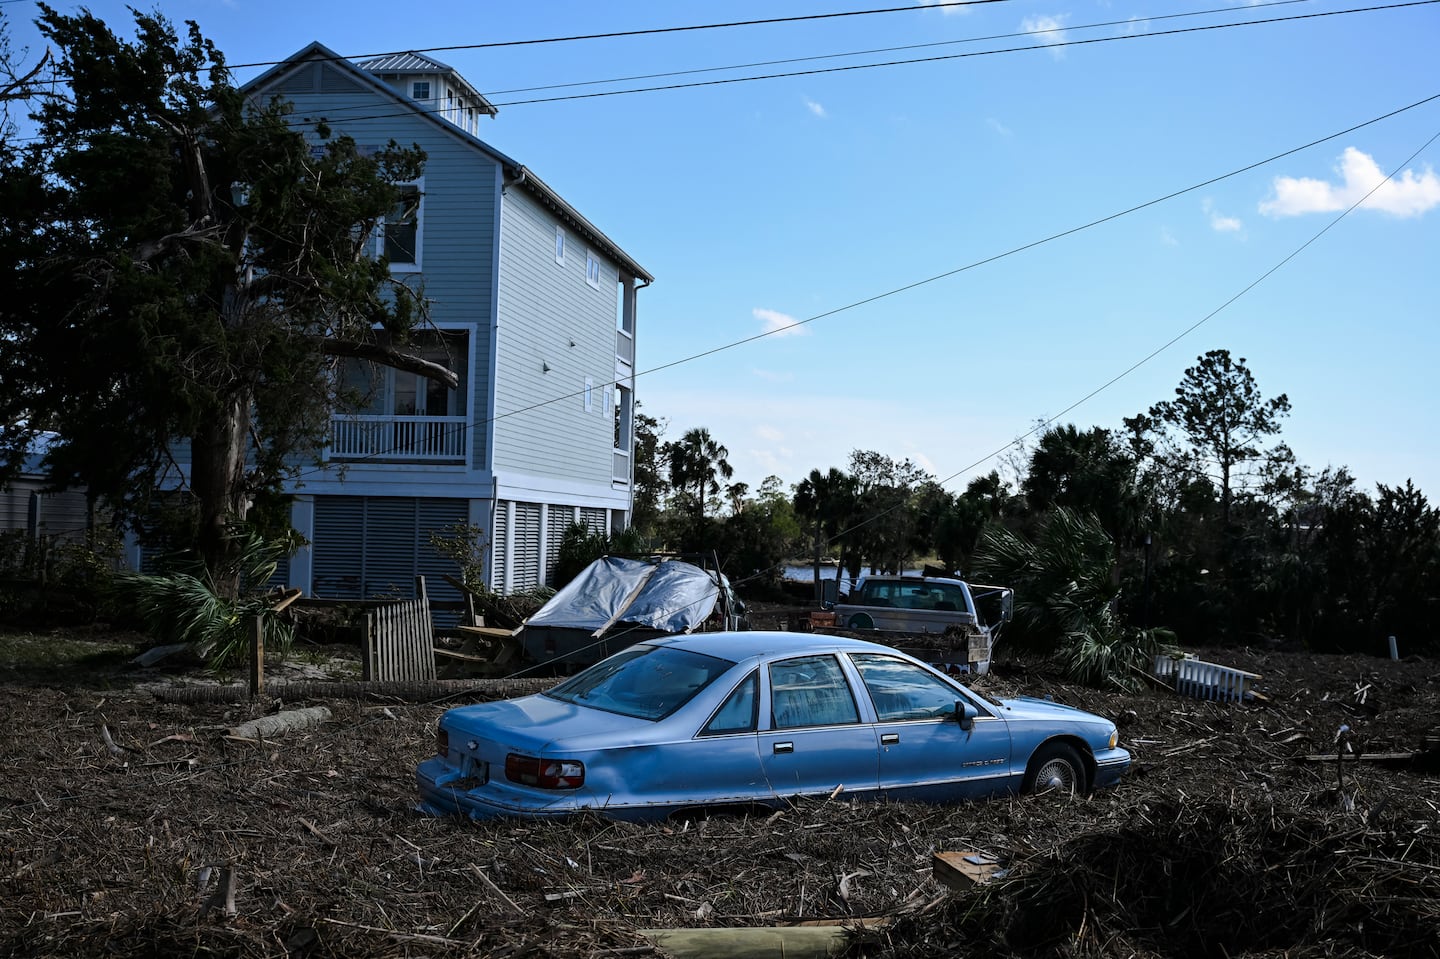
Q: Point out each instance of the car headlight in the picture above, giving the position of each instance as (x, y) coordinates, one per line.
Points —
(1114, 737)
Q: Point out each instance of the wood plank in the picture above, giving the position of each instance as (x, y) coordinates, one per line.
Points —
(485, 632)
(748, 942)
(1362, 757)
(962, 871)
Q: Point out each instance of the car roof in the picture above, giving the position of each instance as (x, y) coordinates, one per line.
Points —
(741, 646)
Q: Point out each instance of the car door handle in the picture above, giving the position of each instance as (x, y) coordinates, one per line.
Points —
(784, 748)
(889, 739)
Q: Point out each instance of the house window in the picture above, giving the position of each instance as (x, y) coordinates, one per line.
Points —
(420, 89)
(592, 270)
(370, 388)
(399, 239)
(559, 244)
(589, 394)
(622, 419)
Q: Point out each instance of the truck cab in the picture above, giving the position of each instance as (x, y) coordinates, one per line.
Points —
(931, 605)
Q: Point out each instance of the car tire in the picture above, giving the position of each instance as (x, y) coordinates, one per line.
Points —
(861, 621)
(1056, 768)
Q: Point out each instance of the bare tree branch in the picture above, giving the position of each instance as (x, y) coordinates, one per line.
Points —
(388, 356)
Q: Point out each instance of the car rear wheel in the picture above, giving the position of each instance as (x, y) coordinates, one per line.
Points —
(861, 621)
(1056, 768)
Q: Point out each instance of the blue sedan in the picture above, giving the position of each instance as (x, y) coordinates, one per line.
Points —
(751, 719)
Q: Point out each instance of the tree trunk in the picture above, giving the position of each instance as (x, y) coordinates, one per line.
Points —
(217, 479)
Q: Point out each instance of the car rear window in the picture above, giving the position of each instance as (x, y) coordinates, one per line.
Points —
(646, 682)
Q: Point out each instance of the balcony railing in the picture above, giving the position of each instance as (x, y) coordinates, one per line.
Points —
(408, 439)
(624, 347)
(620, 472)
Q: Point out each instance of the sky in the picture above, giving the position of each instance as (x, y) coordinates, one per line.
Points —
(1049, 218)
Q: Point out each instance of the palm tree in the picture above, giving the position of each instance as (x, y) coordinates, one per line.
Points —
(697, 464)
(1066, 598)
(827, 500)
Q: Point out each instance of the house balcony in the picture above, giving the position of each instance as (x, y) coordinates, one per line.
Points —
(620, 471)
(399, 439)
(624, 348)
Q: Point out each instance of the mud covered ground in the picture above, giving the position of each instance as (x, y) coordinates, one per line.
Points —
(130, 825)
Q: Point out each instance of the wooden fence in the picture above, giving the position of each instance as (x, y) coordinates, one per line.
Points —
(399, 640)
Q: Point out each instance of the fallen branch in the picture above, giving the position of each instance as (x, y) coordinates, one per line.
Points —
(496, 889)
(267, 727)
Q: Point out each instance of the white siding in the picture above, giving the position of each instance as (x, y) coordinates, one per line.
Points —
(459, 223)
(549, 317)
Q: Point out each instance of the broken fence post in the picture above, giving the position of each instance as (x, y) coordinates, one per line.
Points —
(1394, 650)
(257, 656)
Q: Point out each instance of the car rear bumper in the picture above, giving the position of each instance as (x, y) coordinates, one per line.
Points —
(441, 795)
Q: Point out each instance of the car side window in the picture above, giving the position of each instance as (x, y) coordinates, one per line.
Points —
(902, 691)
(810, 691)
(739, 711)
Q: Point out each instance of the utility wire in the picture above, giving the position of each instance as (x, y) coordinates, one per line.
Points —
(651, 31)
(863, 53)
(936, 278)
(998, 256)
(1043, 423)
(340, 114)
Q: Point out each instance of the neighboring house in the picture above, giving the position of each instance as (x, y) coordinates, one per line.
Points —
(56, 516)
(531, 302)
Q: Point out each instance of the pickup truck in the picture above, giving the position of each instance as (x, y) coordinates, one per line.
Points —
(932, 605)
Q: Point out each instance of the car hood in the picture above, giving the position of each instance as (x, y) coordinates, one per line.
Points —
(1029, 707)
(533, 722)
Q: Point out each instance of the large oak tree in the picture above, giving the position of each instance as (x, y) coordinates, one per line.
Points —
(185, 265)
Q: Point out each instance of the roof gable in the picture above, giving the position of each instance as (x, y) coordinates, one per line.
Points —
(283, 77)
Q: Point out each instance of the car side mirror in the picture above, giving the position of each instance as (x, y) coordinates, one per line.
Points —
(965, 715)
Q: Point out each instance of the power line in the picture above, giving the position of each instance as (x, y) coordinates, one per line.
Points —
(340, 114)
(894, 49)
(1042, 424)
(960, 56)
(651, 31)
(758, 574)
(941, 276)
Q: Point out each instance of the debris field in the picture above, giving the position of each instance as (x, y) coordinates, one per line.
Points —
(1302, 823)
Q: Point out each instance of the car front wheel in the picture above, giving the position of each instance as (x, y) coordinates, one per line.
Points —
(1056, 768)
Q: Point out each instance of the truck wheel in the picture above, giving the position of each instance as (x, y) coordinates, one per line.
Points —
(861, 621)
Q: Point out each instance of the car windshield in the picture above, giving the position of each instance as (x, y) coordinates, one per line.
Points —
(647, 682)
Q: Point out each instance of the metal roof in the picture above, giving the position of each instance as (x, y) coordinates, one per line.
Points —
(404, 63)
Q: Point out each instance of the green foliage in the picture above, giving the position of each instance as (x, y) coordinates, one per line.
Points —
(1066, 601)
(697, 464)
(183, 262)
(887, 526)
(467, 545)
(579, 547)
(1223, 416)
(1117, 659)
(184, 605)
(650, 486)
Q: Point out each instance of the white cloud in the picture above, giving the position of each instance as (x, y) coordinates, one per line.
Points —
(1408, 194)
(1135, 27)
(780, 324)
(1049, 30)
(1218, 221)
(773, 376)
(1167, 237)
(815, 108)
(998, 127)
(769, 433)
(945, 10)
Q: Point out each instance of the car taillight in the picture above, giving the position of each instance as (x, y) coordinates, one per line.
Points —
(544, 773)
(442, 742)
